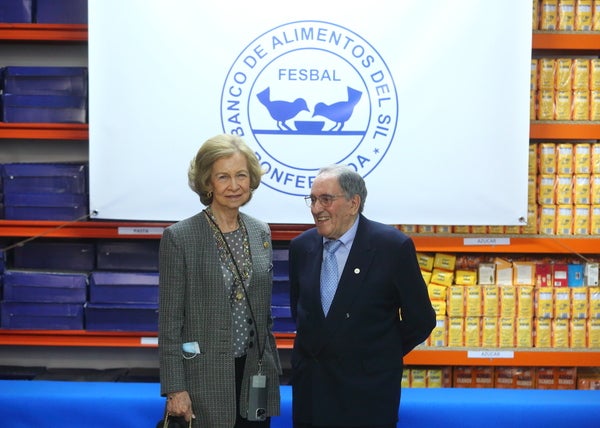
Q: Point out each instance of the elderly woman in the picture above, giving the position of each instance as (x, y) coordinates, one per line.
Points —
(215, 298)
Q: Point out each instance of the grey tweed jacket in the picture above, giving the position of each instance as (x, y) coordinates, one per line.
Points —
(194, 307)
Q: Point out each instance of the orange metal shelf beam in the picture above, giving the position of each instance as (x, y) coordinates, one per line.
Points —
(44, 131)
(550, 130)
(518, 244)
(530, 357)
(146, 230)
(79, 229)
(44, 32)
(556, 40)
(420, 356)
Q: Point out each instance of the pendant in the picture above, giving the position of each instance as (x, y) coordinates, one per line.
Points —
(239, 295)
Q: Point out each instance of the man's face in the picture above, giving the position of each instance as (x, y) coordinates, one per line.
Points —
(337, 215)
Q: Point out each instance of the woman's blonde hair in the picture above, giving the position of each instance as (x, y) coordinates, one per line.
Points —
(215, 148)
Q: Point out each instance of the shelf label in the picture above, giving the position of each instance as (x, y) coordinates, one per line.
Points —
(491, 354)
(149, 341)
(486, 241)
(141, 230)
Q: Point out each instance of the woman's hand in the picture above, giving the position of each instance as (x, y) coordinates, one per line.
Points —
(180, 404)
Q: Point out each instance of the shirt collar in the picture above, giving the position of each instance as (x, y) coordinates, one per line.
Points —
(347, 238)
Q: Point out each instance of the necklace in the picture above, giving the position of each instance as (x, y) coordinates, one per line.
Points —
(240, 276)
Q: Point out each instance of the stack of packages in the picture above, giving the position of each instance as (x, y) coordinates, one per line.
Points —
(44, 94)
(45, 191)
(124, 287)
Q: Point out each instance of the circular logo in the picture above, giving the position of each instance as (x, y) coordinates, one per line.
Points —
(309, 94)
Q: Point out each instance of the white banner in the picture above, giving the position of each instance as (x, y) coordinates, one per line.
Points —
(427, 100)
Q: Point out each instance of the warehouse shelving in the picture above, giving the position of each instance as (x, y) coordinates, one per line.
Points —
(548, 42)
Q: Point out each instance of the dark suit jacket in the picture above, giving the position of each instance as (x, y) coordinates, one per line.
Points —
(194, 307)
(347, 368)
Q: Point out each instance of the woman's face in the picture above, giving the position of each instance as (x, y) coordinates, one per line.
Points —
(230, 182)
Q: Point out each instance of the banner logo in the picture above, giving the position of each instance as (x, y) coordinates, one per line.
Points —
(309, 94)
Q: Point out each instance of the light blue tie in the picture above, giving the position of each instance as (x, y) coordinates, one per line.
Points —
(329, 274)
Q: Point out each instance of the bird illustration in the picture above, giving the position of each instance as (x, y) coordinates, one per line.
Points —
(339, 112)
(282, 110)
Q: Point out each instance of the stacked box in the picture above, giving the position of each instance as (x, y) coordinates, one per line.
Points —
(55, 255)
(122, 301)
(124, 287)
(45, 191)
(133, 255)
(52, 287)
(41, 316)
(61, 11)
(44, 94)
(282, 319)
(281, 283)
(17, 11)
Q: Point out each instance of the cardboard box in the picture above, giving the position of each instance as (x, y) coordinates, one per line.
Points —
(123, 287)
(543, 275)
(41, 316)
(484, 377)
(35, 286)
(121, 317)
(560, 275)
(487, 273)
(575, 273)
(504, 271)
(523, 273)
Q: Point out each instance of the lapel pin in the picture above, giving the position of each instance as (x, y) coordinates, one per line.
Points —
(356, 271)
(266, 244)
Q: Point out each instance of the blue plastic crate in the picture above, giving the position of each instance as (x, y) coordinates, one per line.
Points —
(140, 255)
(45, 178)
(44, 108)
(19, 80)
(34, 286)
(124, 287)
(121, 317)
(16, 11)
(41, 316)
(55, 255)
(282, 319)
(61, 11)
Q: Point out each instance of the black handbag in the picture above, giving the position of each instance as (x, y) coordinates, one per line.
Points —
(170, 421)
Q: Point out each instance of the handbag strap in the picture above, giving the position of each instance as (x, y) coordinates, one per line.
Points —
(166, 424)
